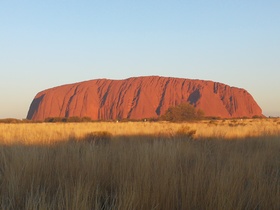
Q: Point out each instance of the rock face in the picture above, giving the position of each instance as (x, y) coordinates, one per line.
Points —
(141, 97)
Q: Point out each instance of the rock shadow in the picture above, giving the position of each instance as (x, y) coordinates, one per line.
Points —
(34, 107)
(194, 97)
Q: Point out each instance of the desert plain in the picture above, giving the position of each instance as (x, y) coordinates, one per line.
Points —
(203, 164)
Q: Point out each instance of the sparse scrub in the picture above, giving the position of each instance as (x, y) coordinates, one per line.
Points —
(182, 112)
(212, 122)
(185, 132)
(98, 137)
(14, 121)
(49, 133)
(68, 119)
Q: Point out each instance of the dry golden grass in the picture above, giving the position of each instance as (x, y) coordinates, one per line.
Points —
(143, 165)
(137, 173)
(46, 133)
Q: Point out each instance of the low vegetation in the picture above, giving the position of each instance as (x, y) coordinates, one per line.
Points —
(141, 165)
(14, 120)
(68, 119)
(48, 133)
(182, 112)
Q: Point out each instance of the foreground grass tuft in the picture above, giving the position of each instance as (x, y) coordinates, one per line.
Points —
(142, 173)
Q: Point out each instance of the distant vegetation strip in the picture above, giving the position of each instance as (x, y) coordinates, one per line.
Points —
(183, 112)
(46, 133)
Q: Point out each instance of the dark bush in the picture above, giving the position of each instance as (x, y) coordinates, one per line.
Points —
(68, 119)
(182, 112)
(257, 117)
(98, 137)
(10, 120)
(54, 119)
(185, 132)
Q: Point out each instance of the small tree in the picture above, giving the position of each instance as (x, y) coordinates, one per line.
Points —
(182, 112)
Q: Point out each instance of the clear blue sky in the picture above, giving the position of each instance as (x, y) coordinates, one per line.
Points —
(46, 43)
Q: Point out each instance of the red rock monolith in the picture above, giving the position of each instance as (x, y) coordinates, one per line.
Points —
(141, 97)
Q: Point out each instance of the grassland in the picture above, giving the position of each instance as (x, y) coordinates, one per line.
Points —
(48, 133)
(232, 164)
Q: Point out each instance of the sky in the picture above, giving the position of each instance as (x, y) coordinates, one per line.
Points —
(47, 43)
